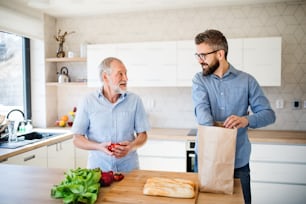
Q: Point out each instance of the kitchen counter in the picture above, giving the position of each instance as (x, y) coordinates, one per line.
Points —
(256, 136)
(7, 153)
(33, 184)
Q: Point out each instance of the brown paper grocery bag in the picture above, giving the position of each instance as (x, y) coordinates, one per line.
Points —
(216, 159)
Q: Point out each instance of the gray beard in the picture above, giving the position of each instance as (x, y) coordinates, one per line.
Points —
(116, 88)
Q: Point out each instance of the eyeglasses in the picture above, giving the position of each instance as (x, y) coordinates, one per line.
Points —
(202, 56)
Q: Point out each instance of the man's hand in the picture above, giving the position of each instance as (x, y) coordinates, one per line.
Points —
(104, 147)
(235, 121)
(122, 149)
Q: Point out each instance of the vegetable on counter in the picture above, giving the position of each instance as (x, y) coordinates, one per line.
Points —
(79, 186)
(107, 178)
(83, 185)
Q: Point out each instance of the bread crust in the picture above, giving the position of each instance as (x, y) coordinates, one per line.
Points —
(176, 187)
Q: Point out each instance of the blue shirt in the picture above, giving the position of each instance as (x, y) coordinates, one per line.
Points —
(102, 121)
(217, 98)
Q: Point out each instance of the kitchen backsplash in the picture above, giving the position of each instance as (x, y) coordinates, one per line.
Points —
(172, 107)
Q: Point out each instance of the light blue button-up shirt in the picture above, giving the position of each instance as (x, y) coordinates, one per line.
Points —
(102, 121)
(217, 98)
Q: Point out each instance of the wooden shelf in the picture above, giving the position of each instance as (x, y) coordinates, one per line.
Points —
(70, 84)
(66, 59)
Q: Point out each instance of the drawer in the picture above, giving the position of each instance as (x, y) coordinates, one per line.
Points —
(279, 153)
(277, 193)
(163, 148)
(162, 164)
(278, 172)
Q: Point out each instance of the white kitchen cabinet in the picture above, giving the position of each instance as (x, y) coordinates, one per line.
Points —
(262, 59)
(61, 155)
(172, 63)
(277, 193)
(81, 158)
(163, 155)
(278, 173)
(187, 64)
(149, 63)
(235, 52)
(95, 54)
(36, 157)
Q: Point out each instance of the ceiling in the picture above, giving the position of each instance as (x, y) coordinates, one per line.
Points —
(74, 8)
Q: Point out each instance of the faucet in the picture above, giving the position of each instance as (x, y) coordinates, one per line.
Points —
(16, 127)
(22, 113)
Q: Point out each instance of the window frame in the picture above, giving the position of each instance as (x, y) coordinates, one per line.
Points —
(26, 68)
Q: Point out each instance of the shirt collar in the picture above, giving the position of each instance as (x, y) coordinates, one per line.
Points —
(100, 94)
(231, 70)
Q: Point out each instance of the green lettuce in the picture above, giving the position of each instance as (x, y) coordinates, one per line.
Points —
(79, 186)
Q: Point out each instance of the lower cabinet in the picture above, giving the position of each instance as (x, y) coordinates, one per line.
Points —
(36, 157)
(278, 174)
(61, 155)
(81, 158)
(278, 193)
(163, 155)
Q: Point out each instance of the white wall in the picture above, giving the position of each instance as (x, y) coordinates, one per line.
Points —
(173, 106)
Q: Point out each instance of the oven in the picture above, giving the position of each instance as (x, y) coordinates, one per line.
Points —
(190, 155)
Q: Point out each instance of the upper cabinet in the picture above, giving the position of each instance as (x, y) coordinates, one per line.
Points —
(172, 63)
(187, 64)
(149, 63)
(235, 52)
(262, 59)
(95, 54)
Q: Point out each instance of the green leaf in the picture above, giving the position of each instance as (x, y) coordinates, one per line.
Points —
(69, 199)
(79, 185)
(77, 189)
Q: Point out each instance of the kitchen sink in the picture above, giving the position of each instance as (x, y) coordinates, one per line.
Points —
(28, 138)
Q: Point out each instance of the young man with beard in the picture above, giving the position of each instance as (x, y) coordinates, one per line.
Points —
(111, 115)
(222, 93)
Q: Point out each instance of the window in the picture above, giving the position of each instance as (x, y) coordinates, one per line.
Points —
(14, 74)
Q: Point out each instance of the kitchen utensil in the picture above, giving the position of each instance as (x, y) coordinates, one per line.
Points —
(63, 76)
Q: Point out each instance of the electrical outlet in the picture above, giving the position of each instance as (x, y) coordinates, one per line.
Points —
(279, 104)
(296, 104)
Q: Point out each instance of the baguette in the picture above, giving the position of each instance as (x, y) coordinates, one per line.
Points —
(176, 188)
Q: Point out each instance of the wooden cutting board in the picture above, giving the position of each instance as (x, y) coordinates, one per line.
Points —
(129, 190)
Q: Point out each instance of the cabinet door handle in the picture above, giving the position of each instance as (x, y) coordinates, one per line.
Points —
(29, 158)
(59, 147)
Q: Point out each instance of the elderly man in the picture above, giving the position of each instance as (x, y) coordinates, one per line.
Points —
(111, 115)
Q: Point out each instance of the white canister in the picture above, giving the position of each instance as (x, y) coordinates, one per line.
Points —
(70, 54)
